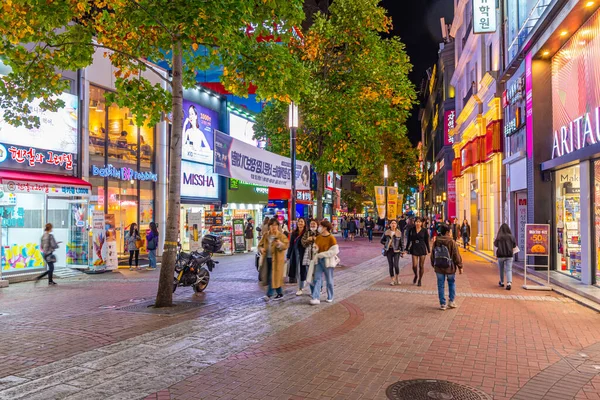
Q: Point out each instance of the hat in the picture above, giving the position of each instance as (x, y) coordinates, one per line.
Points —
(249, 218)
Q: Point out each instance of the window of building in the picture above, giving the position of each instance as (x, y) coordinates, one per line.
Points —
(568, 221)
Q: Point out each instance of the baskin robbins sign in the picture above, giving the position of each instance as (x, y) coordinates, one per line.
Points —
(123, 174)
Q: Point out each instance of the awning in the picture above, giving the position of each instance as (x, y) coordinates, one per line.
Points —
(6, 176)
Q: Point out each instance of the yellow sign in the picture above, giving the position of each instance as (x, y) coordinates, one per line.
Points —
(392, 202)
(380, 200)
(400, 203)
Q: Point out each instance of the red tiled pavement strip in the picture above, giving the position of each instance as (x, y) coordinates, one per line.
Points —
(495, 344)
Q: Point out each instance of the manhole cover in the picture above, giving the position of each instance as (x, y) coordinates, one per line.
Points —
(431, 389)
(179, 307)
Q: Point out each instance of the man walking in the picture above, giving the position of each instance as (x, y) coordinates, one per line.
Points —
(344, 228)
(369, 226)
(446, 260)
(249, 234)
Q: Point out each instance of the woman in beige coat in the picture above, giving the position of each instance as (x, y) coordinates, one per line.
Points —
(272, 247)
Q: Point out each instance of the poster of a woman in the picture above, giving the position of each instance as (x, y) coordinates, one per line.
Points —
(198, 133)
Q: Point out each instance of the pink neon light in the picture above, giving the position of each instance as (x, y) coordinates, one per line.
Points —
(529, 104)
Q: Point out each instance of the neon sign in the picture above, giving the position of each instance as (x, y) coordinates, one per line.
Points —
(124, 174)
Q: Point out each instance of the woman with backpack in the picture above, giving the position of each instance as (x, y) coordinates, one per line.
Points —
(152, 244)
(446, 260)
(393, 245)
(505, 243)
(133, 240)
(418, 246)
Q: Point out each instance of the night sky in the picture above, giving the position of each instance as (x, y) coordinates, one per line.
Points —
(417, 22)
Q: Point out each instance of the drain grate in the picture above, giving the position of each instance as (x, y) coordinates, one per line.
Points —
(179, 307)
(432, 389)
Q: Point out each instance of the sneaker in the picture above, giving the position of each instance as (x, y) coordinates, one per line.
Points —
(131, 268)
(279, 297)
(299, 292)
(443, 307)
(419, 283)
(500, 284)
(452, 305)
(52, 283)
(267, 298)
(508, 286)
(392, 283)
(330, 300)
(315, 302)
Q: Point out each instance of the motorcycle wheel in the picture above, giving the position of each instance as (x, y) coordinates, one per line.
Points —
(175, 284)
(203, 279)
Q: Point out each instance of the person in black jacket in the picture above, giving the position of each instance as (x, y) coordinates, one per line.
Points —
(465, 233)
(352, 228)
(295, 253)
(505, 243)
(369, 226)
(418, 246)
(393, 245)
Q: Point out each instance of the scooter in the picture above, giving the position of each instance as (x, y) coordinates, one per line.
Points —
(193, 269)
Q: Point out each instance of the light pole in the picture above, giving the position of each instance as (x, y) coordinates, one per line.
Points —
(385, 183)
(293, 125)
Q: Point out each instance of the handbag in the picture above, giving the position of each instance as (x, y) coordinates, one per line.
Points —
(139, 244)
(335, 261)
(50, 258)
(516, 250)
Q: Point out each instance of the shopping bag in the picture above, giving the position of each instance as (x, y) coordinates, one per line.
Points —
(516, 250)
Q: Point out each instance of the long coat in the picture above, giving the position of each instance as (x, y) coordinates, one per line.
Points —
(278, 260)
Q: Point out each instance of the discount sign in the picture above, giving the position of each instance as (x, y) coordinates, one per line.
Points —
(537, 239)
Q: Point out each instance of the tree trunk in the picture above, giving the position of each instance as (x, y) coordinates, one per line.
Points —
(320, 193)
(164, 296)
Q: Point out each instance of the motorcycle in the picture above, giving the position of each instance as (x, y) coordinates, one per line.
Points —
(193, 269)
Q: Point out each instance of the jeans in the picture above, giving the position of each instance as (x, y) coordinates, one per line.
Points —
(152, 258)
(393, 260)
(505, 263)
(133, 253)
(49, 272)
(441, 281)
(302, 278)
(270, 290)
(345, 234)
(465, 241)
(320, 269)
(370, 233)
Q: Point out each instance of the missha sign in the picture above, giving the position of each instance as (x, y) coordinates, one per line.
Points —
(199, 180)
(124, 173)
(583, 131)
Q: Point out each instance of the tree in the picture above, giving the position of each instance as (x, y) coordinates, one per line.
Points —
(39, 38)
(357, 97)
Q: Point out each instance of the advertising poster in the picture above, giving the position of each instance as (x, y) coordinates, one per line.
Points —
(451, 195)
(199, 124)
(238, 235)
(99, 250)
(239, 160)
(537, 239)
(392, 202)
(380, 200)
(195, 230)
(521, 214)
(242, 129)
(399, 210)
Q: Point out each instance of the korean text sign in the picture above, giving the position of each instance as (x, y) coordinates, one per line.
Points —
(239, 160)
(537, 239)
(484, 16)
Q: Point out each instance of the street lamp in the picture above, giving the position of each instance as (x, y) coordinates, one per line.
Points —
(385, 183)
(293, 125)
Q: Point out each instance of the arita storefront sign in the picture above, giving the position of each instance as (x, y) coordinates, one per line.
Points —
(124, 173)
(583, 131)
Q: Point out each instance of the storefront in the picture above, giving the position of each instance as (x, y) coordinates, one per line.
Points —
(574, 166)
(245, 200)
(515, 156)
(39, 185)
(121, 167)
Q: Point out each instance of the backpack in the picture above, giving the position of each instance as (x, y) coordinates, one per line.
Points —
(441, 257)
(152, 243)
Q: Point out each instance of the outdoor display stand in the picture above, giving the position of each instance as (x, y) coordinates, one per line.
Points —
(537, 244)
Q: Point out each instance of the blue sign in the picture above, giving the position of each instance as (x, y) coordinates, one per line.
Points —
(124, 174)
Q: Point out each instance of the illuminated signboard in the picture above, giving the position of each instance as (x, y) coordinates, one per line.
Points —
(484, 16)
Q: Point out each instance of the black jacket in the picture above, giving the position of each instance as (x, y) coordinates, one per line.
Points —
(249, 231)
(402, 225)
(418, 243)
(397, 243)
(295, 254)
(468, 230)
(370, 224)
(505, 245)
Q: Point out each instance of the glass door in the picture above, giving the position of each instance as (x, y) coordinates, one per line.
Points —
(68, 215)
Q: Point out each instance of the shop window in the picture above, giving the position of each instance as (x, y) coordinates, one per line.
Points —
(122, 135)
(568, 224)
(597, 219)
(146, 204)
(146, 146)
(122, 209)
(97, 126)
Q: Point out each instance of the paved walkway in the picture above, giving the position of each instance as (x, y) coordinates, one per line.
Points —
(80, 340)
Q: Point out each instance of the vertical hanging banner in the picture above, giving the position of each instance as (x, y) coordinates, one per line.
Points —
(392, 202)
(380, 200)
(399, 209)
(484, 16)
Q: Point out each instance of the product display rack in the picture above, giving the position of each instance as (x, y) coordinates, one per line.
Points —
(572, 214)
